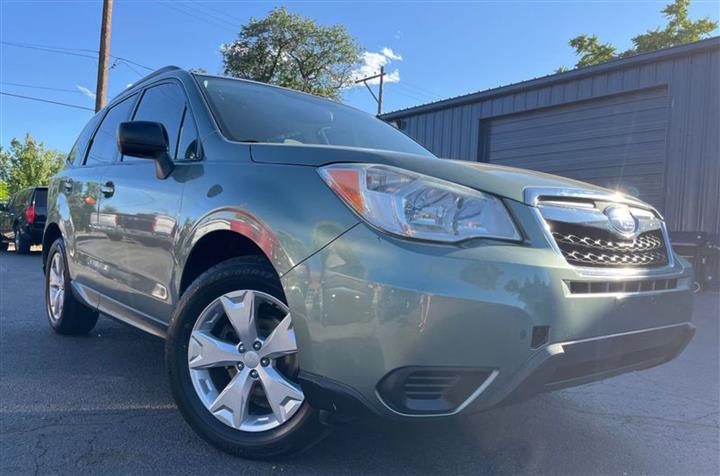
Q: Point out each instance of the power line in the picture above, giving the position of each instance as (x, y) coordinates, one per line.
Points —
(47, 101)
(125, 60)
(195, 16)
(424, 91)
(35, 86)
(129, 66)
(47, 49)
(221, 18)
(210, 7)
(71, 51)
(36, 45)
(410, 96)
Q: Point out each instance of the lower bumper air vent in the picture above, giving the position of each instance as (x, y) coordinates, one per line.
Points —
(430, 390)
(605, 287)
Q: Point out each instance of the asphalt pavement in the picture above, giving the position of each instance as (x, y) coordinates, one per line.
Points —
(101, 404)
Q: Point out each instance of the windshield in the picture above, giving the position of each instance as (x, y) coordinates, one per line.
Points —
(253, 112)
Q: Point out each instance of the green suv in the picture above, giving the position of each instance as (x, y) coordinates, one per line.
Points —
(307, 263)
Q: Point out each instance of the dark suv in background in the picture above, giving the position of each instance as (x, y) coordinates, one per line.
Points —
(22, 220)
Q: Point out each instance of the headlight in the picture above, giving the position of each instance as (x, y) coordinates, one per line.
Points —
(412, 205)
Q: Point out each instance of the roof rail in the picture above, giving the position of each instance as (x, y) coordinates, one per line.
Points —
(148, 77)
(156, 73)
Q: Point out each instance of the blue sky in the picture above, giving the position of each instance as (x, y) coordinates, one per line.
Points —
(447, 49)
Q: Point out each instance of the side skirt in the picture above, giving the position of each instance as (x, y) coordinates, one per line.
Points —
(119, 311)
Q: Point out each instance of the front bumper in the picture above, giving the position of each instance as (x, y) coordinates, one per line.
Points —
(368, 305)
(568, 364)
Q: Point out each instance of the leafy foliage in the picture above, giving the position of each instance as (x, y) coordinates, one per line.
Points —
(28, 163)
(680, 29)
(591, 51)
(293, 51)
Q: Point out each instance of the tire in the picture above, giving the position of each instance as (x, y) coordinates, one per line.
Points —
(3, 245)
(239, 275)
(22, 243)
(74, 317)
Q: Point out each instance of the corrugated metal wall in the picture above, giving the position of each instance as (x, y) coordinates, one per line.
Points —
(621, 139)
(692, 147)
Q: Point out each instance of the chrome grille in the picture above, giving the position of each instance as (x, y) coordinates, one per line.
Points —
(594, 247)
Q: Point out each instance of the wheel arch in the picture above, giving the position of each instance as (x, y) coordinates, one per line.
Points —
(213, 248)
(225, 233)
(52, 232)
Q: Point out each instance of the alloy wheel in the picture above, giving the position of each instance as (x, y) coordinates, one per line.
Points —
(56, 286)
(242, 358)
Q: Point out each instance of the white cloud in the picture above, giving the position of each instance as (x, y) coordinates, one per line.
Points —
(371, 63)
(86, 92)
(391, 54)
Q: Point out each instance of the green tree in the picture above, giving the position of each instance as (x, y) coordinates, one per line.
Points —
(591, 51)
(28, 163)
(293, 51)
(678, 31)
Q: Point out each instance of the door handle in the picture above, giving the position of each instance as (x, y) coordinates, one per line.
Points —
(67, 185)
(108, 189)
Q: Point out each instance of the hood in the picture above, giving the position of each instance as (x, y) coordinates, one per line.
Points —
(503, 181)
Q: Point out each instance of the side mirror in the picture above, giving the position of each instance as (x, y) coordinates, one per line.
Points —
(146, 140)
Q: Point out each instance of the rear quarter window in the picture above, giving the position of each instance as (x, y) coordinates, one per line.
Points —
(103, 148)
(40, 197)
(81, 143)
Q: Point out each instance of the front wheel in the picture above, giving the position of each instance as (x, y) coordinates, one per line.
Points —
(231, 355)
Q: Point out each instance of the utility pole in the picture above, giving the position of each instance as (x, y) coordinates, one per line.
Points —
(379, 97)
(104, 55)
(380, 91)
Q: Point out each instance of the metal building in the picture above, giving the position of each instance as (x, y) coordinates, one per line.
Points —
(648, 125)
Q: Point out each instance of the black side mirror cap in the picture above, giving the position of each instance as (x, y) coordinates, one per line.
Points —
(146, 140)
(142, 139)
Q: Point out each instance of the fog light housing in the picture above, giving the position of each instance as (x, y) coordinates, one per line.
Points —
(430, 390)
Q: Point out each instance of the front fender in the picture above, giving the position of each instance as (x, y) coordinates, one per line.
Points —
(287, 211)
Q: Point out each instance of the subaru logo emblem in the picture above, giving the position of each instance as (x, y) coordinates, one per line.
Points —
(621, 219)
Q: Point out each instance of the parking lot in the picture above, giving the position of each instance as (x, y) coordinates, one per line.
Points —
(101, 404)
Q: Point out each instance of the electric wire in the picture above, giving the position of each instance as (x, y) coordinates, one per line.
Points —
(58, 103)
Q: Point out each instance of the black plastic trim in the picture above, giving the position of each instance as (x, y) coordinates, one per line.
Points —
(323, 393)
